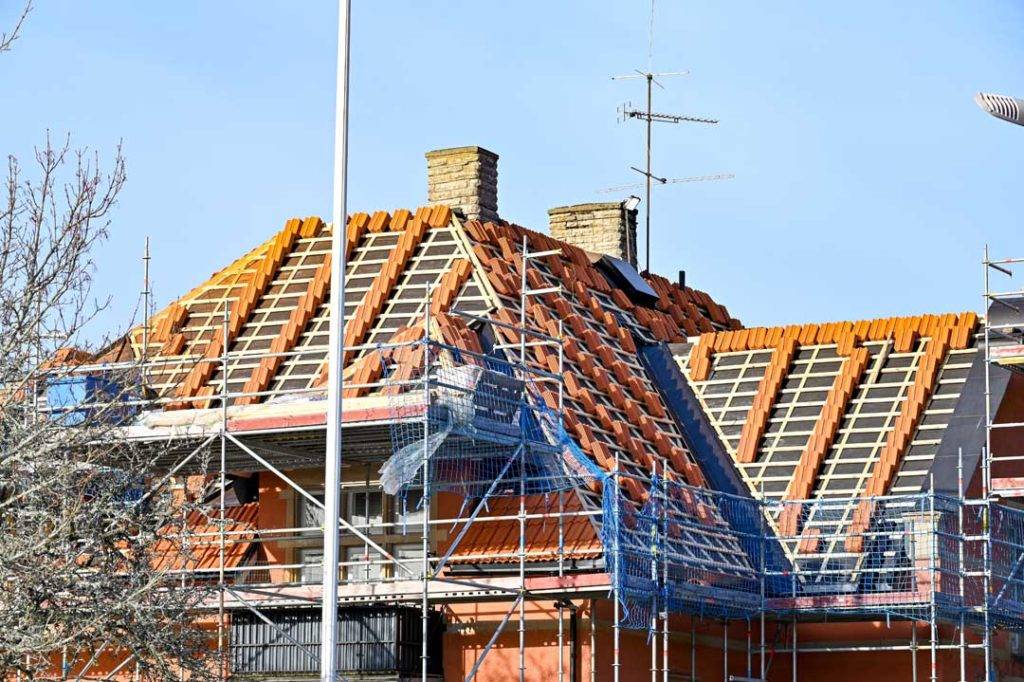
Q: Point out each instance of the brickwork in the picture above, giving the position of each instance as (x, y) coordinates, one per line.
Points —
(466, 179)
(600, 228)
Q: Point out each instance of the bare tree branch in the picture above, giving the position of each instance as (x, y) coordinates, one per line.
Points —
(85, 562)
(7, 39)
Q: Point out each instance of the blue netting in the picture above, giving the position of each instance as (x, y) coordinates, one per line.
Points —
(480, 429)
(685, 550)
(711, 554)
(1006, 603)
(478, 426)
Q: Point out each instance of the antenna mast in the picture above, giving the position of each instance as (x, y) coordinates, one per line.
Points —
(649, 117)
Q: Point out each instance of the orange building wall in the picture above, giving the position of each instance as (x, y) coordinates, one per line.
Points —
(471, 626)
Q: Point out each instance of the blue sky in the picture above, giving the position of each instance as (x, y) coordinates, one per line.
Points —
(867, 181)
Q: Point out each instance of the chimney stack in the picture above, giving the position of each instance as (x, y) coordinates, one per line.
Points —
(607, 228)
(465, 178)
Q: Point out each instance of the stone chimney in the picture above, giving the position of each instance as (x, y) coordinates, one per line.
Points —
(608, 228)
(465, 178)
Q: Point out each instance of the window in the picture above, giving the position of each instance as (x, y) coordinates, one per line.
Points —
(365, 509)
(408, 512)
(369, 569)
(312, 559)
(411, 556)
(308, 515)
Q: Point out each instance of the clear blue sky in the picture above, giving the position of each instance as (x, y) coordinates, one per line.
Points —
(867, 181)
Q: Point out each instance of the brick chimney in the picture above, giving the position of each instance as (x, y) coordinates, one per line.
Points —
(465, 178)
(608, 228)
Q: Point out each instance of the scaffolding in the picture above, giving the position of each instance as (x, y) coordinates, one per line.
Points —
(488, 425)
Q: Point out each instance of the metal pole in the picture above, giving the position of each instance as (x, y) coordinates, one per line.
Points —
(335, 357)
(986, 473)
(762, 538)
(425, 497)
(222, 548)
(522, 470)
(794, 649)
(960, 566)
(647, 179)
(913, 651)
(725, 651)
(933, 634)
(664, 581)
(655, 554)
(615, 576)
(593, 642)
(146, 295)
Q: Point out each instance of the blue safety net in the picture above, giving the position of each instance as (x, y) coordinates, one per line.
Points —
(684, 550)
(1006, 603)
(476, 426)
(710, 554)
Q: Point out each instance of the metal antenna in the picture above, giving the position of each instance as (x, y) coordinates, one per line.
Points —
(147, 296)
(649, 116)
(667, 181)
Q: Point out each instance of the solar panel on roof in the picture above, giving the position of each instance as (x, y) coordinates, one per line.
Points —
(629, 280)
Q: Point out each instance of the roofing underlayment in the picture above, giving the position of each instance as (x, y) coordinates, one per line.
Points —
(836, 411)
(818, 411)
(272, 307)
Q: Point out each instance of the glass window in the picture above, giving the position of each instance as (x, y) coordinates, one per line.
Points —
(312, 559)
(366, 509)
(371, 567)
(408, 512)
(308, 514)
(411, 556)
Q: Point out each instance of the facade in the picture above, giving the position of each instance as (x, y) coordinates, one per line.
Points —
(558, 467)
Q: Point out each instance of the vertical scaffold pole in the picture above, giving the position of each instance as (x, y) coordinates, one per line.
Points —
(986, 473)
(795, 643)
(616, 577)
(335, 357)
(960, 563)
(522, 469)
(762, 539)
(933, 631)
(593, 641)
(913, 650)
(725, 649)
(425, 496)
(664, 579)
(147, 295)
(222, 520)
(561, 531)
(655, 553)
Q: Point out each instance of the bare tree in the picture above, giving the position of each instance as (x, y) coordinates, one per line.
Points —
(7, 39)
(87, 542)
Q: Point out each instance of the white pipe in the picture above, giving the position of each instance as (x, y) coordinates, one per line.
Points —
(332, 468)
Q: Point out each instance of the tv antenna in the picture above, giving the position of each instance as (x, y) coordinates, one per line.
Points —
(649, 116)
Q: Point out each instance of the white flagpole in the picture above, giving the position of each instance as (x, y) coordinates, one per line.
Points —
(332, 463)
